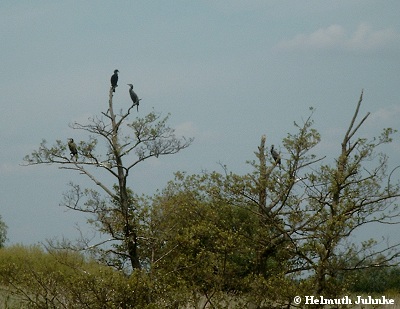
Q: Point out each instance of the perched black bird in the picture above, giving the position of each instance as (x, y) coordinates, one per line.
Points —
(276, 156)
(72, 148)
(134, 97)
(114, 80)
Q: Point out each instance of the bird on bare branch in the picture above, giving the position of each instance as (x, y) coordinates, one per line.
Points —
(114, 80)
(134, 97)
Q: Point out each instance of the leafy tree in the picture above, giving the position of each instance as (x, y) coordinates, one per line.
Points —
(321, 207)
(232, 233)
(286, 231)
(356, 191)
(307, 213)
(118, 213)
(202, 241)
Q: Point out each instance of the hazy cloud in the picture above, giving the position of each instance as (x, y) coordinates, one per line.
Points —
(364, 38)
(386, 115)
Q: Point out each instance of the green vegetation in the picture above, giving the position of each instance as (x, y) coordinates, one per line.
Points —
(64, 279)
(214, 240)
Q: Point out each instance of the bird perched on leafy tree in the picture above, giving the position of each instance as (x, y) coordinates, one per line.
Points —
(276, 156)
(72, 148)
(114, 80)
(134, 97)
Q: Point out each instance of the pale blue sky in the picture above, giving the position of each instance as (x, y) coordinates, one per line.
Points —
(227, 71)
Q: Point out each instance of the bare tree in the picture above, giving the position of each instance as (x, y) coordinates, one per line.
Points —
(341, 199)
(119, 213)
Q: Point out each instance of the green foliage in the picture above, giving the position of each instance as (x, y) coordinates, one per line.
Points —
(64, 279)
(376, 280)
(212, 243)
(204, 239)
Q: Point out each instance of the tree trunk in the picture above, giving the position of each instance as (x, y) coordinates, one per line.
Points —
(130, 235)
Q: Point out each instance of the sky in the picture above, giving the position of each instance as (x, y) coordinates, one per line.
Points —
(226, 71)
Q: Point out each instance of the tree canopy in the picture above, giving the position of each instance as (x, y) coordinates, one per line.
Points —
(116, 211)
(221, 239)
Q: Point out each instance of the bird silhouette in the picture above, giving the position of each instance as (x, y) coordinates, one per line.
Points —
(134, 97)
(114, 80)
(72, 148)
(276, 156)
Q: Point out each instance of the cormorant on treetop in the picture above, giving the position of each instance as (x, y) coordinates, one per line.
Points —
(114, 80)
(134, 97)
(72, 148)
(276, 156)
